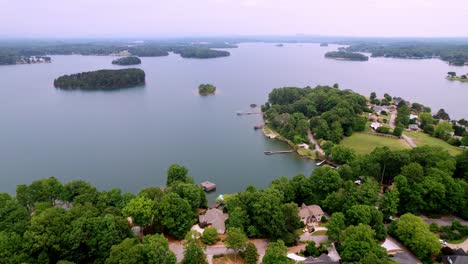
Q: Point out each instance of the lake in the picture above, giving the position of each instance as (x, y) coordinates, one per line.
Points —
(126, 139)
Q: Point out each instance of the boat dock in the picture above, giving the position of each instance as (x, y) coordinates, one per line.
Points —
(208, 186)
(278, 152)
(239, 113)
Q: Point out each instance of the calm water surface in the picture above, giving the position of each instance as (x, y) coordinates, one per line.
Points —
(128, 138)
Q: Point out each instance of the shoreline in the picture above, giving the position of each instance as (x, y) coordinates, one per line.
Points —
(272, 134)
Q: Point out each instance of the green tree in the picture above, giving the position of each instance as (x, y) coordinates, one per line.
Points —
(194, 253)
(191, 193)
(413, 232)
(358, 242)
(236, 239)
(176, 172)
(142, 210)
(250, 254)
(13, 216)
(210, 236)
(389, 203)
(342, 154)
(443, 130)
(311, 249)
(156, 249)
(336, 225)
(177, 215)
(276, 254)
(129, 251)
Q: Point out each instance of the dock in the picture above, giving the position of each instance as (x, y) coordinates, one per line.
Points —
(239, 113)
(260, 126)
(321, 162)
(208, 186)
(278, 152)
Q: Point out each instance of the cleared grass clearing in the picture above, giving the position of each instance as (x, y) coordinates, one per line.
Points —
(365, 144)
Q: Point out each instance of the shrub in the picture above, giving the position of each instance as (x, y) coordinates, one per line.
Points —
(324, 219)
(383, 130)
(434, 227)
(210, 236)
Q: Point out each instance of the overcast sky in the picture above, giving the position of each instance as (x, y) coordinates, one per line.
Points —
(153, 18)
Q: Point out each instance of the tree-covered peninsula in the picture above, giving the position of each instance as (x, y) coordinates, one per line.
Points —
(206, 89)
(346, 55)
(101, 80)
(130, 60)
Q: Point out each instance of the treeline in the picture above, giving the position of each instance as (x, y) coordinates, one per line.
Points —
(49, 221)
(130, 60)
(333, 113)
(102, 80)
(186, 50)
(456, 54)
(345, 55)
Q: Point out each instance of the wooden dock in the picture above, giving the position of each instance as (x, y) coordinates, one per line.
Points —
(278, 152)
(239, 113)
(208, 186)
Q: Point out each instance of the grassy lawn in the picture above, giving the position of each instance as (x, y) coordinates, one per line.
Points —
(305, 152)
(319, 233)
(458, 241)
(422, 139)
(364, 144)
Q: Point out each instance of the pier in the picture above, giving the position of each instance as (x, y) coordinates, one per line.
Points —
(208, 186)
(239, 113)
(278, 152)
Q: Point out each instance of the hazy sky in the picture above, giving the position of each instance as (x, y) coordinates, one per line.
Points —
(106, 18)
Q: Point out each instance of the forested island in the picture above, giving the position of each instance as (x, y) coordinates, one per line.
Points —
(199, 52)
(101, 80)
(453, 77)
(206, 89)
(345, 55)
(453, 53)
(130, 60)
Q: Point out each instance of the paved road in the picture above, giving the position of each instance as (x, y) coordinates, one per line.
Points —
(314, 141)
(409, 140)
(404, 256)
(317, 239)
(443, 221)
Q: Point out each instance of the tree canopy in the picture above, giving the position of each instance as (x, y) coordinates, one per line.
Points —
(102, 80)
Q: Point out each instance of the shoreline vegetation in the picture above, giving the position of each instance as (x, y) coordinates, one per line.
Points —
(101, 80)
(129, 60)
(346, 55)
(206, 89)
(303, 152)
(453, 77)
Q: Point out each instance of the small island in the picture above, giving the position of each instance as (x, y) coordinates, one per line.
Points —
(346, 55)
(206, 89)
(130, 60)
(453, 77)
(323, 44)
(101, 80)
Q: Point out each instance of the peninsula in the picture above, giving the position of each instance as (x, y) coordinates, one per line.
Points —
(101, 80)
(130, 60)
(346, 55)
(206, 89)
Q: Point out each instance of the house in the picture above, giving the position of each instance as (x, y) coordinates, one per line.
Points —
(138, 231)
(459, 256)
(303, 145)
(379, 108)
(64, 204)
(375, 125)
(413, 127)
(310, 214)
(373, 117)
(411, 116)
(214, 217)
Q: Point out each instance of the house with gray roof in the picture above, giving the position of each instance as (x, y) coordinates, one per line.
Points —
(214, 217)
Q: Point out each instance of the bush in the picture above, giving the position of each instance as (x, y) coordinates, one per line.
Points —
(210, 236)
(434, 227)
(324, 219)
(250, 254)
(398, 131)
(383, 130)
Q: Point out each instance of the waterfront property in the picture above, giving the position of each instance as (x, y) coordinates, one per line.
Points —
(214, 217)
(311, 214)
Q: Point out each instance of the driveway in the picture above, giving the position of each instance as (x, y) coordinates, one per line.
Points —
(393, 116)
(314, 141)
(399, 252)
(463, 245)
(444, 220)
(409, 141)
(317, 239)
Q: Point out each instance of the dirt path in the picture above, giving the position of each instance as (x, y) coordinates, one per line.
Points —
(314, 141)
(393, 116)
(409, 141)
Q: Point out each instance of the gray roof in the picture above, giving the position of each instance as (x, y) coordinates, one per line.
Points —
(323, 259)
(214, 217)
(457, 259)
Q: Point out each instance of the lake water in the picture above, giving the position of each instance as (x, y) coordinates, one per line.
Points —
(128, 138)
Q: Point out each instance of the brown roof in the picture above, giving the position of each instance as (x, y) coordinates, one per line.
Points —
(215, 218)
(310, 210)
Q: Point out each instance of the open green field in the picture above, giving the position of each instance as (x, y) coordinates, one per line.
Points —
(364, 144)
(422, 139)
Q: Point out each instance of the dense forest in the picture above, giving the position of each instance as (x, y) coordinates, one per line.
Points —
(333, 113)
(454, 53)
(130, 60)
(346, 55)
(49, 222)
(205, 89)
(199, 52)
(101, 80)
